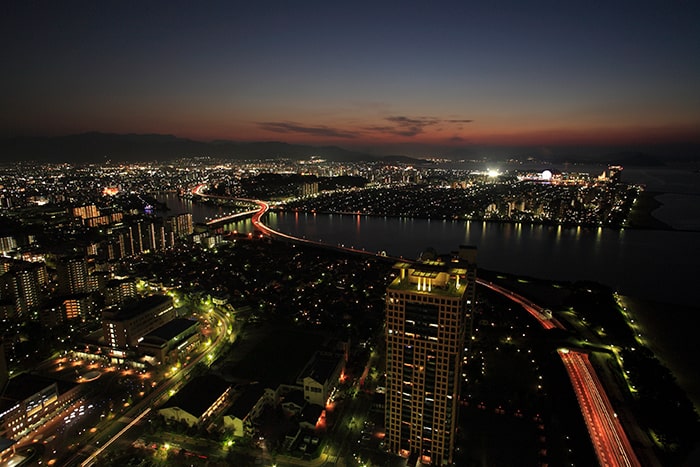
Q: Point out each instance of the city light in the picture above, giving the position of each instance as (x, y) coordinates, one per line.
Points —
(214, 302)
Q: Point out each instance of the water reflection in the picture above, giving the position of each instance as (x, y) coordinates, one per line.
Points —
(608, 256)
(619, 258)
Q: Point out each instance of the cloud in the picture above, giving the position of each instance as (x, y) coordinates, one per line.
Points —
(398, 125)
(320, 130)
(407, 126)
(402, 125)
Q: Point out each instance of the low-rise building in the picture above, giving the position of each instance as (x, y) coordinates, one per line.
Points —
(293, 402)
(198, 400)
(123, 327)
(169, 342)
(320, 375)
(29, 400)
(247, 406)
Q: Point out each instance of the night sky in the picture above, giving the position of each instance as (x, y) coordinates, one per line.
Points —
(355, 74)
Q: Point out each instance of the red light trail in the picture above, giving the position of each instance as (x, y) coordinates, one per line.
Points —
(610, 442)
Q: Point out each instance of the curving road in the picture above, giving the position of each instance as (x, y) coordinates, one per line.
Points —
(542, 316)
(611, 444)
(88, 454)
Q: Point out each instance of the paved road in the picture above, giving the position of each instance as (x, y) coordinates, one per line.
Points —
(609, 439)
(88, 454)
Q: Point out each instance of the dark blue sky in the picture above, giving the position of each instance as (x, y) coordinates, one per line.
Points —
(356, 73)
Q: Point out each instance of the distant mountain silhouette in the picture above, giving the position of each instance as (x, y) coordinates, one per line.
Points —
(98, 147)
(404, 160)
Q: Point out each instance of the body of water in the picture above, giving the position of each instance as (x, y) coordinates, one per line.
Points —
(656, 265)
(658, 268)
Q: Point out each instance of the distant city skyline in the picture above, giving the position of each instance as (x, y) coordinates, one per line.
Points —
(357, 75)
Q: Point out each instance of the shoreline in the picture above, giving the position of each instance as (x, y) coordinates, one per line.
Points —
(657, 225)
(642, 213)
(674, 346)
(641, 216)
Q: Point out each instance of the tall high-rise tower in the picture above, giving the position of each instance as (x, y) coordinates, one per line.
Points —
(73, 275)
(428, 316)
(24, 284)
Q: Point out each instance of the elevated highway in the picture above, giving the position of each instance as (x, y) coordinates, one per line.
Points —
(609, 439)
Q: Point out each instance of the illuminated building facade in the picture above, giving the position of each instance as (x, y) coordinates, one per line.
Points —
(171, 341)
(73, 275)
(124, 327)
(198, 401)
(7, 244)
(428, 314)
(181, 225)
(77, 307)
(117, 291)
(86, 212)
(308, 189)
(320, 376)
(24, 287)
(29, 400)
